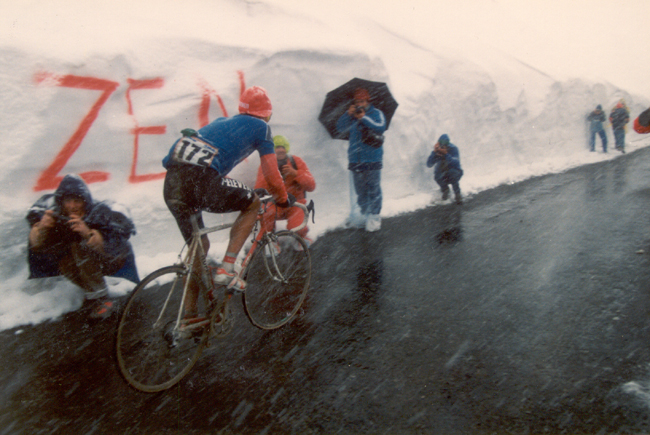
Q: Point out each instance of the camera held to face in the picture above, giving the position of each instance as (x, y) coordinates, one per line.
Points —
(358, 110)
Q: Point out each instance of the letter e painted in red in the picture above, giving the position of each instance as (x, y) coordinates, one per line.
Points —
(156, 83)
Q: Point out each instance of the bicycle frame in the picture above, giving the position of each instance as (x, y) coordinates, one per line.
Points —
(157, 346)
(196, 247)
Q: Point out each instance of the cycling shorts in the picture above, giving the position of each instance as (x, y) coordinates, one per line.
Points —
(189, 190)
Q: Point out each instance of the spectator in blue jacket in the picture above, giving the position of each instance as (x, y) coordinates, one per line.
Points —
(82, 239)
(595, 120)
(447, 170)
(364, 161)
(619, 117)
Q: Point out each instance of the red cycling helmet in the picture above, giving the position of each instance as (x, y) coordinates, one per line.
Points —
(256, 102)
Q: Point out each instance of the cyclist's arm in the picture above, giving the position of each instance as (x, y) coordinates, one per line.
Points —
(269, 164)
(260, 182)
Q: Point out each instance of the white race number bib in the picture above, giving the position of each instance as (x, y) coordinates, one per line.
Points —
(194, 151)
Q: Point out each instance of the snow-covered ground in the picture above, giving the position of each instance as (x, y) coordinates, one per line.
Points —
(83, 83)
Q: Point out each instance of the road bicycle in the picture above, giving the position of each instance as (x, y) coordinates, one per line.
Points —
(156, 347)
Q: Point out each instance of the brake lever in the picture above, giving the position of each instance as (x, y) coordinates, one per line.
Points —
(312, 209)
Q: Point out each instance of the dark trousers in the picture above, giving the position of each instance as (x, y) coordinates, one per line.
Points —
(450, 176)
(592, 140)
(367, 185)
(619, 138)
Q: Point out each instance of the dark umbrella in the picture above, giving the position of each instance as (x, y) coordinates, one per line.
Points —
(337, 103)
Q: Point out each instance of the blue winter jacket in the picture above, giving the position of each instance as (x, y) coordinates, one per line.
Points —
(451, 160)
(112, 220)
(596, 119)
(360, 155)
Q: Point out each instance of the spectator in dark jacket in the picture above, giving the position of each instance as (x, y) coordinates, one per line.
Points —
(446, 158)
(595, 120)
(619, 117)
(642, 122)
(83, 240)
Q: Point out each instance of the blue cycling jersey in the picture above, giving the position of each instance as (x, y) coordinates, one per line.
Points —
(223, 144)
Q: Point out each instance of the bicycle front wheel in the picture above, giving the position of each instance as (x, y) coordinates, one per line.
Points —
(152, 353)
(278, 277)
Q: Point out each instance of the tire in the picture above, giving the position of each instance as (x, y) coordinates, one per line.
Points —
(273, 294)
(151, 355)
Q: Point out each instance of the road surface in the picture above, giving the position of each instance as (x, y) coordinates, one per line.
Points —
(525, 310)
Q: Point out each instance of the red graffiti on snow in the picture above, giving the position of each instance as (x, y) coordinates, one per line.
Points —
(156, 83)
(204, 108)
(50, 178)
(242, 82)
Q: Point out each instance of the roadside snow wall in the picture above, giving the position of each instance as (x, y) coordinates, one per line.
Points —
(113, 117)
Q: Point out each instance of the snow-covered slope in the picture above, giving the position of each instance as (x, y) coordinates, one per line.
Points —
(84, 103)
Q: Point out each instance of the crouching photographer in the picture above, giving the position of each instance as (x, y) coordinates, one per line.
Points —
(447, 171)
(83, 240)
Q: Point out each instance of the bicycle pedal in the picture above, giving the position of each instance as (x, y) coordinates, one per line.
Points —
(224, 325)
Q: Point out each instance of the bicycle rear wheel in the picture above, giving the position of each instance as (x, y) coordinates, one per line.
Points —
(152, 353)
(277, 281)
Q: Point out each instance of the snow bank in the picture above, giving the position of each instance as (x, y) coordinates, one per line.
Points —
(509, 120)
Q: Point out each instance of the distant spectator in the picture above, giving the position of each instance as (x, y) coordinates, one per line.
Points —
(365, 161)
(619, 117)
(297, 181)
(596, 119)
(82, 239)
(446, 158)
(642, 123)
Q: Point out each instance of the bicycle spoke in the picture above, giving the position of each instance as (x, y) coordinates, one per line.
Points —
(152, 354)
(277, 283)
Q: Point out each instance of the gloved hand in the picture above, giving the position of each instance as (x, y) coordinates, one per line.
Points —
(289, 203)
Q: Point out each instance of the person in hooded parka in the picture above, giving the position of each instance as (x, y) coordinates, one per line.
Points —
(82, 239)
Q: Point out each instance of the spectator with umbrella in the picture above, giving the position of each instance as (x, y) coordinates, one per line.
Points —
(360, 111)
(364, 158)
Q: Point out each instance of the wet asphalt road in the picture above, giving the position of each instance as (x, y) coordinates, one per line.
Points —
(525, 310)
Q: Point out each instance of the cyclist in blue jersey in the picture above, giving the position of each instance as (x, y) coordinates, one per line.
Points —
(197, 167)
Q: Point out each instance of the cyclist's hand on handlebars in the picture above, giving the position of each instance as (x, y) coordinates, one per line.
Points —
(289, 203)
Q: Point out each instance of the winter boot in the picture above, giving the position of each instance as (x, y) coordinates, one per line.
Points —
(373, 223)
(356, 221)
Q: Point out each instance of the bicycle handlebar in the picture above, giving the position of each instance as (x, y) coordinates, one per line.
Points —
(306, 209)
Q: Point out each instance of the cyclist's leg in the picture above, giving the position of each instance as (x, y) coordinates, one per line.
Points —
(239, 232)
(269, 218)
(180, 196)
(226, 195)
